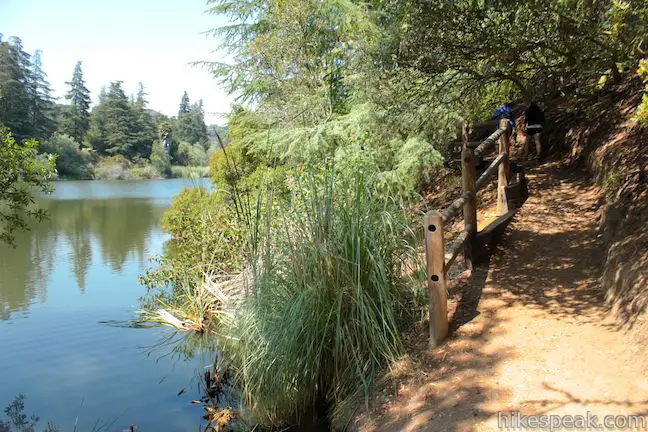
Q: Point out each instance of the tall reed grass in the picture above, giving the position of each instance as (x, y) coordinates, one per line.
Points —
(330, 294)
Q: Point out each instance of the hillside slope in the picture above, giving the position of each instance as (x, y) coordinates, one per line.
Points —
(603, 137)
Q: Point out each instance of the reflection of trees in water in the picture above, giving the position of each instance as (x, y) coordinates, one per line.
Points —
(118, 227)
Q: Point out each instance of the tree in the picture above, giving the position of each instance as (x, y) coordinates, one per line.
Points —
(120, 126)
(14, 96)
(184, 105)
(113, 123)
(119, 121)
(191, 125)
(41, 104)
(77, 116)
(144, 128)
(21, 171)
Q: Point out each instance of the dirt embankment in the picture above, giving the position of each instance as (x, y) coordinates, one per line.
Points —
(603, 136)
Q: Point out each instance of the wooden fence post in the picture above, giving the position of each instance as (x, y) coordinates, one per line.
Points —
(437, 290)
(504, 168)
(469, 183)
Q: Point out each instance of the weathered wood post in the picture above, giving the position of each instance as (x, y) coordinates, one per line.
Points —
(469, 183)
(437, 290)
(504, 168)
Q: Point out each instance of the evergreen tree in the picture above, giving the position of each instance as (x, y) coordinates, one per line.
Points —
(199, 126)
(41, 104)
(191, 122)
(184, 105)
(113, 123)
(77, 116)
(14, 79)
(120, 121)
(144, 128)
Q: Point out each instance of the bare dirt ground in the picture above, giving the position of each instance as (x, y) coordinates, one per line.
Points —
(530, 330)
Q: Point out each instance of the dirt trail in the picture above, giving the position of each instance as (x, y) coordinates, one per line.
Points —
(531, 333)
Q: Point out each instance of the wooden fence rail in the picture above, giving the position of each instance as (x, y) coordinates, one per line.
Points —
(438, 258)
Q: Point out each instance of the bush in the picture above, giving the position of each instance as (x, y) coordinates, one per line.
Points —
(205, 239)
(21, 173)
(113, 168)
(642, 111)
(227, 167)
(71, 162)
(191, 155)
(192, 172)
(144, 170)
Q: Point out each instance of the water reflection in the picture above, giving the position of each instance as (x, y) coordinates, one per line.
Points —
(64, 289)
(113, 229)
(108, 223)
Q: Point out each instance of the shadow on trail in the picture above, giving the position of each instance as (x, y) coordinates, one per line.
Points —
(549, 260)
(564, 398)
(444, 390)
(552, 256)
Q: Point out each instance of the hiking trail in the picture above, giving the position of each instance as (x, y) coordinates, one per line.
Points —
(530, 332)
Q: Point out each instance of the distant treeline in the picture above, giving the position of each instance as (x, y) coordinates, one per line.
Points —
(119, 137)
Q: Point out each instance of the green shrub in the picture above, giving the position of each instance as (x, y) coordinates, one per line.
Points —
(192, 172)
(113, 168)
(228, 166)
(144, 170)
(71, 162)
(22, 172)
(641, 115)
(205, 239)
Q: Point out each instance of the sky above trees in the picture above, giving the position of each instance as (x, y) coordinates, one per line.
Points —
(146, 41)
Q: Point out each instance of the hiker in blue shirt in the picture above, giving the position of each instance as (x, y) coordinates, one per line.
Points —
(505, 111)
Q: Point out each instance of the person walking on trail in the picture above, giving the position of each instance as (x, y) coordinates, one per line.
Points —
(534, 119)
(505, 111)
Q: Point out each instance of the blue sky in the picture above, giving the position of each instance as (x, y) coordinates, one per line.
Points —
(151, 41)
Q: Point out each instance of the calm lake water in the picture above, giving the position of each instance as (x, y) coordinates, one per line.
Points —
(66, 292)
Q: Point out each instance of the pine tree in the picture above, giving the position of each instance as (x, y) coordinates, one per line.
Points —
(14, 97)
(41, 103)
(77, 116)
(113, 123)
(191, 126)
(120, 121)
(184, 105)
(144, 128)
(199, 128)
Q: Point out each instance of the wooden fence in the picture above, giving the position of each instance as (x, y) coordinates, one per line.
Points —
(510, 195)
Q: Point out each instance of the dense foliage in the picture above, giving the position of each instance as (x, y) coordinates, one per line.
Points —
(415, 67)
(21, 171)
(26, 105)
(71, 161)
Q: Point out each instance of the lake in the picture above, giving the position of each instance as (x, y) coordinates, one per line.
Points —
(67, 294)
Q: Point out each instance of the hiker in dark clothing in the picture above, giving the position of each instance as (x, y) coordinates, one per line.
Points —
(534, 119)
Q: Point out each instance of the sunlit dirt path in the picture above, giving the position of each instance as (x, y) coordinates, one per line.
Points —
(531, 333)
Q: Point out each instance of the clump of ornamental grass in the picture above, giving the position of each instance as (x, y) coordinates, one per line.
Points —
(329, 295)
